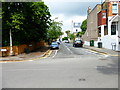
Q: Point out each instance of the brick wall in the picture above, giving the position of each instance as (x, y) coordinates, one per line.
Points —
(101, 20)
(92, 25)
(110, 8)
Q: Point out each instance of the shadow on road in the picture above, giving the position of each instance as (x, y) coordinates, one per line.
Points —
(110, 68)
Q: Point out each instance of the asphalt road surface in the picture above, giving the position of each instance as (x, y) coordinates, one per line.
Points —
(68, 67)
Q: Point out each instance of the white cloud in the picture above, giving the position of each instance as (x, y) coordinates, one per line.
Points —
(60, 17)
(79, 18)
(67, 21)
(68, 10)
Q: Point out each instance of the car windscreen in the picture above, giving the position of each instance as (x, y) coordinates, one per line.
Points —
(54, 43)
(78, 41)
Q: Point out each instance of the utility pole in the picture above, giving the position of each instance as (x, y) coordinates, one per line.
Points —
(11, 51)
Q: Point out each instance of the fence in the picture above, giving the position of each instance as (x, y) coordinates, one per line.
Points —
(21, 48)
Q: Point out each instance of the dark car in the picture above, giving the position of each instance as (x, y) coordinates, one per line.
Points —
(54, 45)
(78, 43)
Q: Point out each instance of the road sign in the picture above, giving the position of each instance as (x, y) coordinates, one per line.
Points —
(3, 50)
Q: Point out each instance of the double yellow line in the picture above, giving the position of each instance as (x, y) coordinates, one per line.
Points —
(103, 53)
(45, 55)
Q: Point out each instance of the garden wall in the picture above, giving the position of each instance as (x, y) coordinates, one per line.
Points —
(21, 48)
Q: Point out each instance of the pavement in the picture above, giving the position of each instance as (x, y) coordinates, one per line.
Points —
(39, 54)
(103, 51)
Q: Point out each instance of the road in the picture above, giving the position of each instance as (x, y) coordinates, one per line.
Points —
(67, 67)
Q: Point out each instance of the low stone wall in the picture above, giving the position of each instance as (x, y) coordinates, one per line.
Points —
(21, 48)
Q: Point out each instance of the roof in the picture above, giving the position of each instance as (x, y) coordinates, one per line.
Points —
(94, 8)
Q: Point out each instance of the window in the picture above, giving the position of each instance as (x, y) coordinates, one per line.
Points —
(103, 15)
(115, 8)
(113, 28)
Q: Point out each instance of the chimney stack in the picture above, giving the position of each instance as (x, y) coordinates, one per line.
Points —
(89, 10)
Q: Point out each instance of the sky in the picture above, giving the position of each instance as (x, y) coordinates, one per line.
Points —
(68, 10)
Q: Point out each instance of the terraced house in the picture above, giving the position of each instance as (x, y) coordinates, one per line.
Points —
(92, 27)
(108, 25)
(108, 22)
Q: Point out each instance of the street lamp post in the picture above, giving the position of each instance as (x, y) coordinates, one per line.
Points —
(11, 51)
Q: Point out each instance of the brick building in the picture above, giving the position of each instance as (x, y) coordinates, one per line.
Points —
(103, 25)
(92, 27)
(108, 24)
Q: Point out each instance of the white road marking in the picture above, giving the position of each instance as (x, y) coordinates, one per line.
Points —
(31, 60)
(68, 49)
(106, 55)
(93, 52)
(55, 53)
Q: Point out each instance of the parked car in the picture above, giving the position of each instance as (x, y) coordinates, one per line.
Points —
(78, 43)
(54, 45)
(58, 42)
(66, 41)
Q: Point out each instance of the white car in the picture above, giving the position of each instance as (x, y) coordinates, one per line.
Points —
(66, 41)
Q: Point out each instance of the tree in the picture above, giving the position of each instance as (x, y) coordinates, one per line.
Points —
(0, 30)
(67, 32)
(72, 36)
(65, 38)
(55, 30)
(84, 26)
(28, 22)
(79, 34)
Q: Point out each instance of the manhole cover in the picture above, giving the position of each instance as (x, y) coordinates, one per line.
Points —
(81, 79)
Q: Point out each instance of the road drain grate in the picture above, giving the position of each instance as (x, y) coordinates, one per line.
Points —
(81, 79)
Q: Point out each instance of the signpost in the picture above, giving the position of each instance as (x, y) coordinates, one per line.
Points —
(3, 50)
